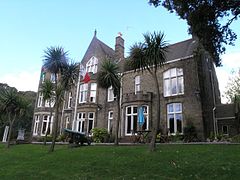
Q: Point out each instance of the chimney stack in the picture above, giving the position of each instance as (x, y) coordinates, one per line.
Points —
(119, 47)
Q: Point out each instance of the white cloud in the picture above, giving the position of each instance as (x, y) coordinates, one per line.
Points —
(230, 62)
(23, 81)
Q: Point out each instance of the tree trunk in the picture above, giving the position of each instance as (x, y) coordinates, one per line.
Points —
(116, 141)
(10, 130)
(156, 127)
(55, 126)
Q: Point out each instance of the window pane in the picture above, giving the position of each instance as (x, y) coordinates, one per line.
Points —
(129, 124)
(179, 122)
(135, 110)
(128, 110)
(225, 129)
(166, 74)
(173, 72)
(180, 84)
(135, 122)
(170, 108)
(171, 123)
(179, 71)
(90, 115)
(178, 107)
(167, 87)
(90, 125)
(174, 86)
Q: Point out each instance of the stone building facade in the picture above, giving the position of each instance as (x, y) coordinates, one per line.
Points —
(188, 86)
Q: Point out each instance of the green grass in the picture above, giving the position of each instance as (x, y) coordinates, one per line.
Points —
(123, 162)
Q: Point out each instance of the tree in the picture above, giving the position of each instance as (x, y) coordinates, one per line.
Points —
(109, 76)
(56, 62)
(150, 55)
(47, 91)
(204, 18)
(233, 88)
(13, 106)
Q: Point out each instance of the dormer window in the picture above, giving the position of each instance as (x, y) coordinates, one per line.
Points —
(91, 65)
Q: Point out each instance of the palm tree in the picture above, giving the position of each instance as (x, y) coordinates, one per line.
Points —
(47, 91)
(108, 76)
(150, 55)
(56, 61)
(14, 106)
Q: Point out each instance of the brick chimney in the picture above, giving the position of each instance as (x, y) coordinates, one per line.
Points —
(119, 47)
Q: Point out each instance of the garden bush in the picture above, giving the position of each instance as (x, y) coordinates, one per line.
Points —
(100, 135)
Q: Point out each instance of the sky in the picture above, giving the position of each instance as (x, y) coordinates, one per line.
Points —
(28, 27)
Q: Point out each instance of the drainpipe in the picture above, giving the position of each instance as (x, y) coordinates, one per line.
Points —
(76, 101)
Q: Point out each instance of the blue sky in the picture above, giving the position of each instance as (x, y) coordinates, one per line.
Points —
(28, 27)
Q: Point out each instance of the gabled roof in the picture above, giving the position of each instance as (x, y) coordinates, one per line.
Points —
(181, 49)
(98, 49)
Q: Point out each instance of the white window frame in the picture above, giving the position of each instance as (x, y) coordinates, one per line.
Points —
(137, 80)
(93, 92)
(67, 121)
(227, 130)
(52, 78)
(47, 123)
(80, 124)
(133, 114)
(92, 64)
(174, 113)
(173, 78)
(40, 99)
(90, 119)
(69, 104)
(52, 102)
(111, 96)
(110, 121)
(83, 93)
(36, 124)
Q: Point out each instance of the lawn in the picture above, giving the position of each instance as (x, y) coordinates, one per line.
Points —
(123, 162)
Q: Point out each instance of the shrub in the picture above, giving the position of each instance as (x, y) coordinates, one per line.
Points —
(190, 134)
(100, 135)
(236, 139)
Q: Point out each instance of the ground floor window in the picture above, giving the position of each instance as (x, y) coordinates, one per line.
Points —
(225, 130)
(110, 121)
(36, 124)
(131, 120)
(80, 121)
(46, 122)
(174, 118)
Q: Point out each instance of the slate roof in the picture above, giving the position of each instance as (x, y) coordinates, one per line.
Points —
(181, 49)
(225, 110)
(99, 49)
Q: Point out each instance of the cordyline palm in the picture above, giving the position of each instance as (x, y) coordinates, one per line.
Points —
(56, 61)
(13, 106)
(47, 91)
(107, 77)
(150, 55)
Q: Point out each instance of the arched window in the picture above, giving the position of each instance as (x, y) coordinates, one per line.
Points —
(91, 65)
(173, 82)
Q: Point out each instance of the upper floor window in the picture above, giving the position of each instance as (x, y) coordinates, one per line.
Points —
(174, 116)
(83, 93)
(137, 84)
(69, 100)
(40, 99)
(91, 65)
(52, 77)
(50, 102)
(173, 82)
(111, 96)
(93, 92)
